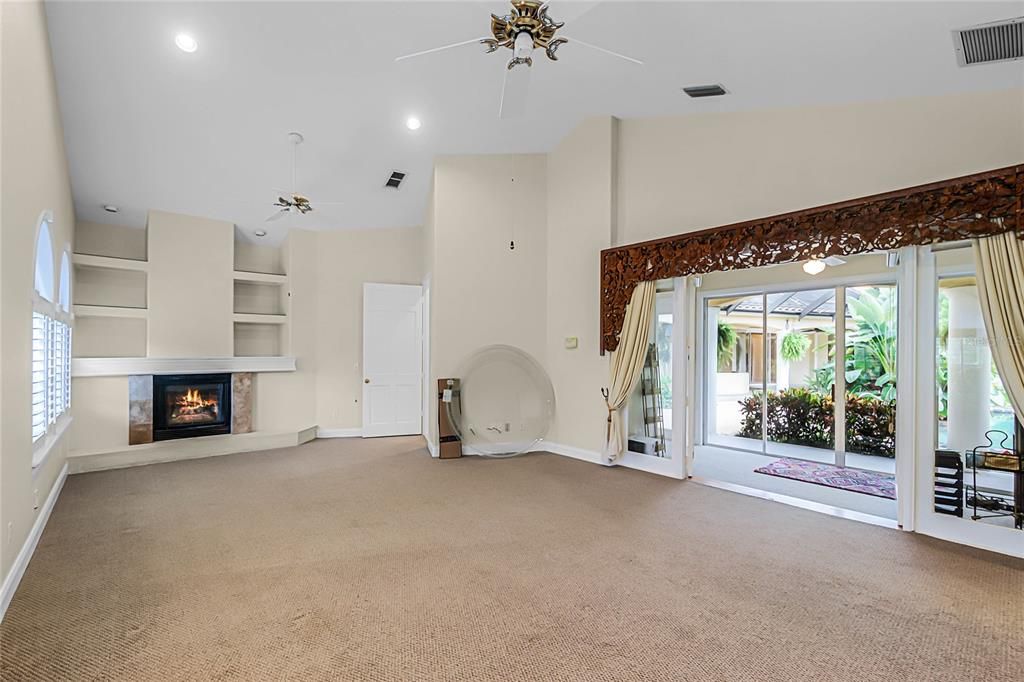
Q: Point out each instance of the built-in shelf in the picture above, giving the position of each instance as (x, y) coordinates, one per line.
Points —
(126, 366)
(110, 311)
(85, 260)
(256, 318)
(261, 277)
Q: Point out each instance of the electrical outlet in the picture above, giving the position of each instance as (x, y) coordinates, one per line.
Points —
(35, 499)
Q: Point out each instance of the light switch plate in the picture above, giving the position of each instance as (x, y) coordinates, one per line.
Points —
(571, 342)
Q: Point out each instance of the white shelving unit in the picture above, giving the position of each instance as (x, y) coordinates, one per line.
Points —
(259, 318)
(82, 310)
(109, 263)
(111, 306)
(260, 311)
(260, 277)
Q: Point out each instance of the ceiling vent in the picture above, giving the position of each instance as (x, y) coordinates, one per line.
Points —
(395, 180)
(704, 90)
(1000, 41)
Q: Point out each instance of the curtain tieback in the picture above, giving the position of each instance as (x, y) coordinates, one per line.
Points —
(608, 430)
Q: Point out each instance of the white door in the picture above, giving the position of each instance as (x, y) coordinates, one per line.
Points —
(392, 359)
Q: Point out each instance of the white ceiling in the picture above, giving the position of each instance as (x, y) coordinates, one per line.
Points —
(148, 126)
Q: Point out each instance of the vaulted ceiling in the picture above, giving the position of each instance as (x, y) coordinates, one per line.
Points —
(149, 126)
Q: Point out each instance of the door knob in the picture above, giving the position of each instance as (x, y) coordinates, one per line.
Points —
(366, 381)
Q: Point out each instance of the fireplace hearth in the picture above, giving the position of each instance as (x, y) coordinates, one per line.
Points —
(190, 405)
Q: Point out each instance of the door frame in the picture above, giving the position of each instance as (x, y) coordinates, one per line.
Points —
(677, 464)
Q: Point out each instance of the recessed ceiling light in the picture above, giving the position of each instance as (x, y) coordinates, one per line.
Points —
(185, 42)
(412, 123)
(260, 233)
(110, 208)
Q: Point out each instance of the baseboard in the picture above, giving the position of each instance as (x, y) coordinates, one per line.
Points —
(432, 448)
(13, 578)
(591, 456)
(340, 433)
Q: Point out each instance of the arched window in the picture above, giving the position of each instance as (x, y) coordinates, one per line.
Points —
(44, 260)
(51, 343)
(64, 300)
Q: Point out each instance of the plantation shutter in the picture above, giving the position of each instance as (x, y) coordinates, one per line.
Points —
(39, 370)
(52, 409)
(58, 368)
(67, 367)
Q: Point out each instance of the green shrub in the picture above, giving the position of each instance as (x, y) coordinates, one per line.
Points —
(803, 417)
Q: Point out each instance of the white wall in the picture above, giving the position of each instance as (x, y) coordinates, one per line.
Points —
(483, 293)
(684, 173)
(102, 239)
(191, 287)
(344, 261)
(580, 215)
(34, 178)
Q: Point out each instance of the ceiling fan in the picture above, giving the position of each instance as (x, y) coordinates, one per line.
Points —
(527, 28)
(292, 202)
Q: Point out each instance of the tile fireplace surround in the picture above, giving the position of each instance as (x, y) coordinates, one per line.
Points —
(140, 406)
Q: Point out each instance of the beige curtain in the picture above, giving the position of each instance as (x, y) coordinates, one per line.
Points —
(627, 361)
(999, 262)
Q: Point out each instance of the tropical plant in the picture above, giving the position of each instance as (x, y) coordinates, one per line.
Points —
(872, 342)
(726, 342)
(794, 346)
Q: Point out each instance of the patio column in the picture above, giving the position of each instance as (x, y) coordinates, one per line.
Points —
(711, 397)
(781, 363)
(970, 371)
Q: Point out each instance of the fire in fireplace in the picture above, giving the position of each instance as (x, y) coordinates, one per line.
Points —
(191, 405)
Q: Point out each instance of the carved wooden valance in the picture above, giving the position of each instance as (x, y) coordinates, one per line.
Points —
(976, 205)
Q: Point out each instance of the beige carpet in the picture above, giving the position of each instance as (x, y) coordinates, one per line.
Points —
(367, 560)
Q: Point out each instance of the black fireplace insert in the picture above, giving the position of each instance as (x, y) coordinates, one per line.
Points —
(190, 405)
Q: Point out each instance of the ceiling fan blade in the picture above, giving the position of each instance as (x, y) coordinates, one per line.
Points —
(276, 215)
(514, 92)
(437, 49)
(601, 49)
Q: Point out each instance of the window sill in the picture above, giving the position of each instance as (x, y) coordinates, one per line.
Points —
(45, 447)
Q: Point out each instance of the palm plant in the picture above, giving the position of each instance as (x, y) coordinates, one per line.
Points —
(872, 341)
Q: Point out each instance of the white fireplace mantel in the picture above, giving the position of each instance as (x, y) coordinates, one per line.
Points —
(113, 367)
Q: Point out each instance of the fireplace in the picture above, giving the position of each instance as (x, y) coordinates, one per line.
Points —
(189, 405)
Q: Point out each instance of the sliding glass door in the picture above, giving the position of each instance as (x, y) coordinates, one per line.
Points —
(775, 363)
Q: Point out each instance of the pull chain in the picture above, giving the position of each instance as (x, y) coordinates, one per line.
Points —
(512, 242)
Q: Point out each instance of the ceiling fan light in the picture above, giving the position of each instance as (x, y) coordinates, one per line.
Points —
(814, 266)
(523, 45)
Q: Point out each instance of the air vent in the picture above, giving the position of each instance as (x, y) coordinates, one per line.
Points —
(1001, 41)
(395, 180)
(704, 90)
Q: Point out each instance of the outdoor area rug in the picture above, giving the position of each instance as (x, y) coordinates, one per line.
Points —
(844, 478)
